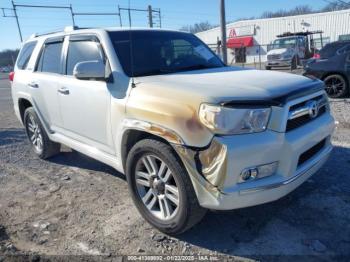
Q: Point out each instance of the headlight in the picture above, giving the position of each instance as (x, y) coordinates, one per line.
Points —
(225, 120)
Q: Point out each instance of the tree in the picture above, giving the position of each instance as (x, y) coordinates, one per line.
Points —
(197, 27)
(299, 10)
(7, 57)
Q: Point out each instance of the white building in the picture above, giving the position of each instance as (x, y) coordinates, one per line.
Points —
(245, 38)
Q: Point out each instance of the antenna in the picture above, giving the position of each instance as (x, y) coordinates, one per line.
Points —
(131, 52)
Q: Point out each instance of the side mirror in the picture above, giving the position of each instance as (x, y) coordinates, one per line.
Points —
(89, 70)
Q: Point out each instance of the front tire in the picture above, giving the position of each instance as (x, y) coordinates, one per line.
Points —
(161, 188)
(295, 62)
(39, 140)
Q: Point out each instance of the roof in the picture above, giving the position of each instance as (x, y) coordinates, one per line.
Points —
(74, 30)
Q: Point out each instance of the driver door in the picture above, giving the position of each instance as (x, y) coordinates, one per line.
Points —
(85, 104)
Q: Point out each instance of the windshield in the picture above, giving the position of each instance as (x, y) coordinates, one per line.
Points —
(284, 42)
(161, 52)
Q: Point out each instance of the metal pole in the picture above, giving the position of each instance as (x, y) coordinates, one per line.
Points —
(129, 12)
(150, 16)
(259, 57)
(223, 31)
(72, 14)
(120, 17)
(160, 19)
(19, 28)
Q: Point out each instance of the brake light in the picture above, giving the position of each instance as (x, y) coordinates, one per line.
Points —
(11, 76)
(317, 56)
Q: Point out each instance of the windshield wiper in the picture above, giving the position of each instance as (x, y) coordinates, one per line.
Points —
(195, 67)
(154, 72)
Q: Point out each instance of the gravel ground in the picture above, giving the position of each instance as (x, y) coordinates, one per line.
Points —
(74, 205)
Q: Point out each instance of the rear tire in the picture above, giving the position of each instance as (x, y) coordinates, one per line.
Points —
(39, 140)
(336, 86)
(152, 168)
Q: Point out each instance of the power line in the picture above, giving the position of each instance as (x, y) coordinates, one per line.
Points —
(154, 15)
(149, 10)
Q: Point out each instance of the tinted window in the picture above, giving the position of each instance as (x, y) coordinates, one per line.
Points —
(344, 50)
(82, 51)
(25, 55)
(330, 50)
(161, 52)
(50, 59)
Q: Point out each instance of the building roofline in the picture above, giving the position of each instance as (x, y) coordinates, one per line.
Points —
(280, 18)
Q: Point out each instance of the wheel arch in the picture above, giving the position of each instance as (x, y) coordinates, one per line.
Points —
(132, 136)
(23, 104)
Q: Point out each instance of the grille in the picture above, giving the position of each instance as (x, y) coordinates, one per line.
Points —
(273, 57)
(300, 121)
(306, 118)
(308, 154)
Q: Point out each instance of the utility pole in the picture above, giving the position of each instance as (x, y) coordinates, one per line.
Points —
(72, 14)
(149, 10)
(16, 16)
(120, 17)
(150, 16)
(223, 31)
(129, 13)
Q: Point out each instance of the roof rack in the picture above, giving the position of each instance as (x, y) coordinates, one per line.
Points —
(66, 29)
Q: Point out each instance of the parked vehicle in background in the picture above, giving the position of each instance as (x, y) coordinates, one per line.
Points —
(5, 69)
(290, 48)
(333, 67)
(189, 132)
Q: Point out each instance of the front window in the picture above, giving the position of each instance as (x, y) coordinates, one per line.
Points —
(81, 51)
(284, 43)
(161, 52)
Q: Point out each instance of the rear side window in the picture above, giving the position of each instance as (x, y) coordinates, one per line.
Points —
(50, 59)
(330, 50)
(82, 51)
(344, 50)
(25, 55)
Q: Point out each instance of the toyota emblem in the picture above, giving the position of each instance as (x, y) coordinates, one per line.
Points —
(313, 108)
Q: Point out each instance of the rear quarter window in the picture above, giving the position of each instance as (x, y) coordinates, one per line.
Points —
(25, 54)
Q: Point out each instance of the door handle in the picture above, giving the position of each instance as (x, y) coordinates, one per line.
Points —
(33, 85)
(63, 91)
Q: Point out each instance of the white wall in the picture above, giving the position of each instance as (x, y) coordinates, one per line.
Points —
(332, 24)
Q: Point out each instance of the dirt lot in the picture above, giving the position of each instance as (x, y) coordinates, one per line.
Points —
(73, 205)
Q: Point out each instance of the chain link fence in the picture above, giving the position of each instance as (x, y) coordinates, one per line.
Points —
(256, 57)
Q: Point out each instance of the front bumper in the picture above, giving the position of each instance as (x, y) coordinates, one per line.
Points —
(277, 63)
(215, 171)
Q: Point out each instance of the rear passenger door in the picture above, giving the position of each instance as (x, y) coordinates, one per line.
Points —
(44, 82)
(85, 104)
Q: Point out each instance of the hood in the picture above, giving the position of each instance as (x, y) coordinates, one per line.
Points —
(278, 51)
(220, 85)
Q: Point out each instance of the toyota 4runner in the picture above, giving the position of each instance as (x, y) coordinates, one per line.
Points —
(189, 132)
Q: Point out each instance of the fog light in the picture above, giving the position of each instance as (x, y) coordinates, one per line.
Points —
(250, 173)
(258, 172)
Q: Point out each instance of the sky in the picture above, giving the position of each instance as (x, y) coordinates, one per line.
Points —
(174, 14)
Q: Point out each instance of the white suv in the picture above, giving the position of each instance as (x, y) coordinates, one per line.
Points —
(189, 133)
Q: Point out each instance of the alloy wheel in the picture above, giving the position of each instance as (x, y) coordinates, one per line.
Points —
(157, 187)
(335, 85)
(34, 133)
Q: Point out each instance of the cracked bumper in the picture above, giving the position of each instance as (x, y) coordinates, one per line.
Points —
(215, 171)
